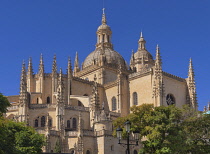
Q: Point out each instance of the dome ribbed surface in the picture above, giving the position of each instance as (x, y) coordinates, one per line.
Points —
(112, 57)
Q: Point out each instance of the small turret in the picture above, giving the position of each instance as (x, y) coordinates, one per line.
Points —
(158, 85)
(54, 67)
(76, 64)
(23, 85)
(54, 76)
(158, 64)
(60, 88)
(30, 68)
(142, 43)
(30, 76)
(191, 86)
(41, 66)
(23, 97)
(69, 69)
(104, 34)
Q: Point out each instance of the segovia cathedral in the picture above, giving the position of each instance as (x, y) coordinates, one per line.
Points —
(76, 108)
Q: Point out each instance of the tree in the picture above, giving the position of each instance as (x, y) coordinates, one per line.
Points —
(17, 138)
(4, 103)
(58, 146)
(169, 129)
(196, 126)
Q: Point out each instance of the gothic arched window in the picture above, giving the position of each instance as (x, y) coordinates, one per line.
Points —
(135, 98)
(88, 152)
(68, 124)
(42, 121)
(114, 104)
(135, 152)
(170, 100)
(48, 100)
(50, 122)
(74, 123)
(36, 123)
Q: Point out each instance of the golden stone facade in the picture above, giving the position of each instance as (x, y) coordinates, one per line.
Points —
(76, 108)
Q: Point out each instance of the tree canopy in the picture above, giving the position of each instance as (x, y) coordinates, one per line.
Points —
(4, 103)
(16, 137)
(169, 129)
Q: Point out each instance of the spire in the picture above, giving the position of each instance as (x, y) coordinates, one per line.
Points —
(76, 64)
(60, 87)
(158, 63)
(69, 69)
(141, 35)
(23, 78)
(41, 65)
(158, 57)
(54, 66)
(132, 58)
(191, 86)
(191, 74)
(158, 86)
(23, 84)
(103, 17)
(142, 42)
(104, 34)
(60, 83)
(30, 67)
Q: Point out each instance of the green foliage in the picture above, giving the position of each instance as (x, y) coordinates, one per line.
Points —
(4, 103)
(169, 130)
(58, 146)
(16, 138)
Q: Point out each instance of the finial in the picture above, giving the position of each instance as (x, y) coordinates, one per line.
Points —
(41, 65)
(103, 10)
(23, 68)
(141, 35)
(60, 71)
(157, 48)
(191, 70)
(76, 64)
(30, 69)
(141, 42)
(54, 66)
(103, 17)
(69, 69)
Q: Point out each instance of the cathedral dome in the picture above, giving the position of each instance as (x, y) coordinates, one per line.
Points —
(104, 27)
(104, 54)
(143, 53)
(111, 57)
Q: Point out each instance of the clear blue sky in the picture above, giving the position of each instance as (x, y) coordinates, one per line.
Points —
(62, 27)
